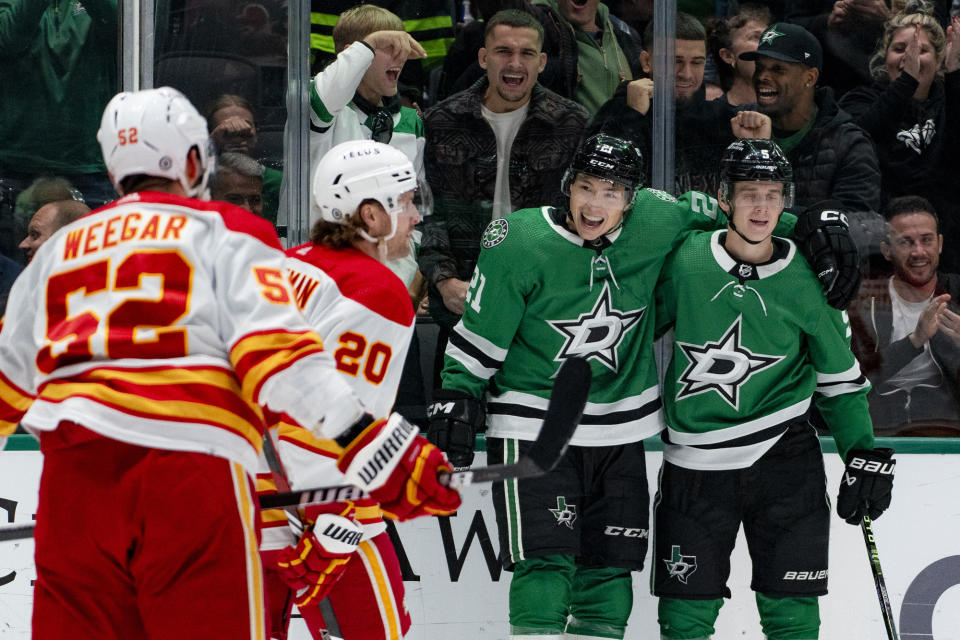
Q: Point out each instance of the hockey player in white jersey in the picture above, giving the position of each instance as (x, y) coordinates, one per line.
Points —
(141, 346)
(755, 343)
(362, 215)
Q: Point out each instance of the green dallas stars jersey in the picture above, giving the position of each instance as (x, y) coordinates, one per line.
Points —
(539, 294)
(752, 344)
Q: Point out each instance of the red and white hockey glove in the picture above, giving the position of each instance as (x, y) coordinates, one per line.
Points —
(398, 467)
(320, 557)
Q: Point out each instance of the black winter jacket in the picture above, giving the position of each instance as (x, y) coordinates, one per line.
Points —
(835, 160)
(461, 167)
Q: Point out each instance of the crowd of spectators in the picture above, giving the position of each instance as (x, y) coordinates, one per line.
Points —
(863, 97)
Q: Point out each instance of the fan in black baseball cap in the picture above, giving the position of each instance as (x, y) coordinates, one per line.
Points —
(790, 43)
(787, 67)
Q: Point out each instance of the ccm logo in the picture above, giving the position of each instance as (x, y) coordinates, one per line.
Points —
(439, 407)
(873, 466)
(834, 216)
(626, 532)
(806, 575)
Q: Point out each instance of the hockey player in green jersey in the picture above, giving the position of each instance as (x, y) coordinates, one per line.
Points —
(754, 343)
(551, 283)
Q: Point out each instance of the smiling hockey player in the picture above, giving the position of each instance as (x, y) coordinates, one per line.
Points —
(755, 341)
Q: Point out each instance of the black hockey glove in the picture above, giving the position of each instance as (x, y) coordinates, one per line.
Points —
(866, 484)
(823, 237)
(455, 419)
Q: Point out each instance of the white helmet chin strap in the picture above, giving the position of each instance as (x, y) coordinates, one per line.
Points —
(381, 242)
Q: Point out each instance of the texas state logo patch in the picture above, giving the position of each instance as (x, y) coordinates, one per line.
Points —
(495, 233)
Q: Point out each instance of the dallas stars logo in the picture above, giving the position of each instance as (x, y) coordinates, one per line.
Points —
(770, 35)
(680, 567)
(597, 334)
(564, 513)
(722, 366)
(495, 233)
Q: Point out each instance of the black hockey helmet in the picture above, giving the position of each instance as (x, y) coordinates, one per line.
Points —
(608, 158)
(753, 160)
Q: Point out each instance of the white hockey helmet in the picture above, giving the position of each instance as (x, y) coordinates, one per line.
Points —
(151, 132)
(359, 170)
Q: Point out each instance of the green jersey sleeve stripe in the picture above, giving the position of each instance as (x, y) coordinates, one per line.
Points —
(319, 109)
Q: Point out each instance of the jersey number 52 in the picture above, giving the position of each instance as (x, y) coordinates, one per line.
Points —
(155, 291)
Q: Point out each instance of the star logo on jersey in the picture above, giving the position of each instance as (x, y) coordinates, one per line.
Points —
(564, 513)
(723, 366)
(680, 566)
(598, 333)
(495, 233)
(769, 36)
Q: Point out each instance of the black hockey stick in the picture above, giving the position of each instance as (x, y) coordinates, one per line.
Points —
(17, 532)
(567, 402)
(272, 454)
(874, 555)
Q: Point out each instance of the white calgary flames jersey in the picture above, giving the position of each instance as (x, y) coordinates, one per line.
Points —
(165, 322)
(364, 314)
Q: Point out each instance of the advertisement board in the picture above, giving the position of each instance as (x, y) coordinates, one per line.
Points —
(456, 588)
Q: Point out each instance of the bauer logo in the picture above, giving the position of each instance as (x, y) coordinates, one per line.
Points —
(873, 466)
(495, 233)
(805, 575)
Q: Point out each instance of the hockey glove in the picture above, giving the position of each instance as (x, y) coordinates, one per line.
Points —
(866, 485)
(823, 237)
(320, 557)
(455, 419)
(398, 468)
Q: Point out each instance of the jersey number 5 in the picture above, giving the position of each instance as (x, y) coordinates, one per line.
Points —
(155, 286)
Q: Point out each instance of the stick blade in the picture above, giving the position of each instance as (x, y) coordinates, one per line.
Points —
(567, 402)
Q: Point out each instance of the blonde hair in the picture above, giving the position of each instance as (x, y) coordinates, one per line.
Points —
(915, 14)
(360, 21)
(340, 235)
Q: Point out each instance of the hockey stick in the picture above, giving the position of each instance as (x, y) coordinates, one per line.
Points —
(874, 555)
(567, 402)
(272, 455)
(17, 532)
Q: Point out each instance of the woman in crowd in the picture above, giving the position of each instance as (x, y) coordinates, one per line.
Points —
(911, 112)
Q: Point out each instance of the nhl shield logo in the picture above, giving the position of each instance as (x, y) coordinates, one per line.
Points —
(495, 233)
